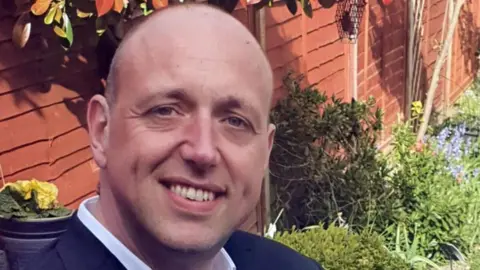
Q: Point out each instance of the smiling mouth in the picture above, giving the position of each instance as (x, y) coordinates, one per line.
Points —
(194, 194)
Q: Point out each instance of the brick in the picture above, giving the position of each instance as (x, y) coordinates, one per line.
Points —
(394, 55)
(374, 54)
(375, 91)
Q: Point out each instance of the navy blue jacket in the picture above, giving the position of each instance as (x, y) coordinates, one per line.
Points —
(79, 249)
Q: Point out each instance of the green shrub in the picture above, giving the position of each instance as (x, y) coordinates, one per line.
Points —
(474, 259)
(324, 164)
(337, 248)
(434, 206)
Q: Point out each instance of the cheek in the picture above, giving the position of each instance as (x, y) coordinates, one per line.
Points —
(247, 167)
(134, 150)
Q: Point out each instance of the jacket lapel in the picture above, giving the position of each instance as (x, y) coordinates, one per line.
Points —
(79, 249)
(242, 252)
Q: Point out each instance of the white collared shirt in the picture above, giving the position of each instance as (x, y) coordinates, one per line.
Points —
(129, 260)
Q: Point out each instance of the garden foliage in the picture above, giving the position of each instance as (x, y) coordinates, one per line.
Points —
(336, 248)
(324, 164)
(326, 168)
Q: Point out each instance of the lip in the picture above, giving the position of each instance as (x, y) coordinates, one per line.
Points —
(168, 181)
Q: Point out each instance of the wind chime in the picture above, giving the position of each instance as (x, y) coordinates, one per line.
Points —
(349, 17)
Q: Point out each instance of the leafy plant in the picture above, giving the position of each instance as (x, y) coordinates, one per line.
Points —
(434, 205)
(62, 15)
(325, 165)
(338, 248)
(30, 200)
(410, 251)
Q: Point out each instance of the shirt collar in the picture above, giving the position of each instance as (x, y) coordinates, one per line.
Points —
(129, 260)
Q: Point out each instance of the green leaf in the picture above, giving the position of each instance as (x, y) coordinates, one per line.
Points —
(68, 27)
(50, 15)
(425, 260)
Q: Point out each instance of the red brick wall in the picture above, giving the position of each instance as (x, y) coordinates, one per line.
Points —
(382, 58)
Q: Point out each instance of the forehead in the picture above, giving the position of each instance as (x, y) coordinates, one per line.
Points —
(202, 70)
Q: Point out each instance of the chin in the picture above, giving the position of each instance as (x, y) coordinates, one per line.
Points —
(192, 238)
(192, 245)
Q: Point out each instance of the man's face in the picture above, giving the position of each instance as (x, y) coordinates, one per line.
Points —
(188, 142)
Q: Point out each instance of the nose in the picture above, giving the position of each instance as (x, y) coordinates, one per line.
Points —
(199, 150)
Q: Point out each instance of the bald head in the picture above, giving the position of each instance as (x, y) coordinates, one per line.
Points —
(188, 31)
(192, 91)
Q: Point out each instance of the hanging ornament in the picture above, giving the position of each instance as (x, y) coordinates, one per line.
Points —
(326, 3)
(349, 17)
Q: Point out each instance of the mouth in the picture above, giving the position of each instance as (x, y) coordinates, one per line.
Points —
(194, 199)
(193, 194)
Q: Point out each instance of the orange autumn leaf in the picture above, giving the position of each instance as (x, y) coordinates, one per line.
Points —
(118, 6)
(40, 7)
(103, 6)
(159, 3)
(243, 3)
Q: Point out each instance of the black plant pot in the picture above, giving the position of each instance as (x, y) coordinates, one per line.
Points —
(21, 239)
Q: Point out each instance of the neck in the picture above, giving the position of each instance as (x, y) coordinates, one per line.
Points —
(145, 246)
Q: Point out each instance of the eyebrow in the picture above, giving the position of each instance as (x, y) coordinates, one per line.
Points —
(175, 94)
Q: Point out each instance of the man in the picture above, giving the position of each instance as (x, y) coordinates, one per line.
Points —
(182, 141)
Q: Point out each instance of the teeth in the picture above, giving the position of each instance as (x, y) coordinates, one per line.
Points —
(192, 193)
(199, 195)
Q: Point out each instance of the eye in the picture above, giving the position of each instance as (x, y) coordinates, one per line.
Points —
(163, 111)
(236, 122)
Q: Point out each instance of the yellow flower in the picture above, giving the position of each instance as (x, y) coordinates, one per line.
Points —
(46, 192)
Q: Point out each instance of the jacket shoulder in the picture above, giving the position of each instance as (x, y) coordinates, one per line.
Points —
(48, 258)
(249, 251)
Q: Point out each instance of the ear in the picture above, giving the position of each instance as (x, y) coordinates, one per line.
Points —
(98, 118)
(271, 138)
